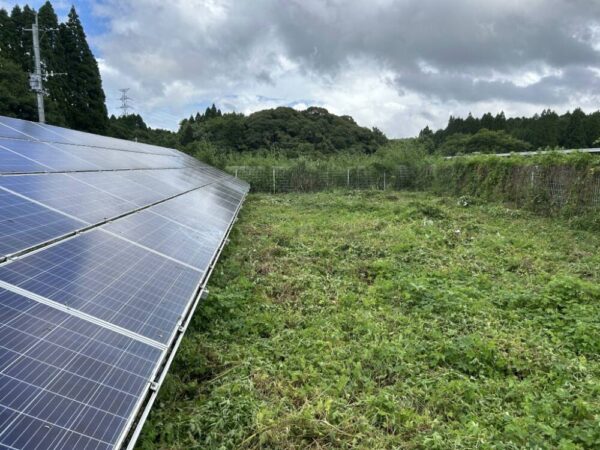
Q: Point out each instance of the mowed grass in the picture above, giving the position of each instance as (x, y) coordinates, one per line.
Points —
(396, 320)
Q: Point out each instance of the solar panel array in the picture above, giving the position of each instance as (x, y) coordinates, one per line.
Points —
(105, 248)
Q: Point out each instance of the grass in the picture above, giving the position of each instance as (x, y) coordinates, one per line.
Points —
(390, 320)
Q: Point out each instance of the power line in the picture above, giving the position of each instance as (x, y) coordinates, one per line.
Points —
(125, 106)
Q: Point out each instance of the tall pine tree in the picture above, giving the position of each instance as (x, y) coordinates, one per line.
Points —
(85, 107)
(575, 136)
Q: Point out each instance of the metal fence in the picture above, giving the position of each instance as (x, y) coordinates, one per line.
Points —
(310, 179)
(539, 187)
(528, 185)
(558, 186)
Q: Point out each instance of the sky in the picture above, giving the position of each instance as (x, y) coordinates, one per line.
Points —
(398, 65)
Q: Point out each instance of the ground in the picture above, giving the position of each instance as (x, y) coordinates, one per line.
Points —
(390, 320)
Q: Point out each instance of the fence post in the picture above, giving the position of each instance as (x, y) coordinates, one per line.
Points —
(273, 180)
(348, 178)
(236, 172)
(384, 180)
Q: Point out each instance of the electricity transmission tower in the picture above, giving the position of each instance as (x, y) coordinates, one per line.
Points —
(125, 106)
(36, 79)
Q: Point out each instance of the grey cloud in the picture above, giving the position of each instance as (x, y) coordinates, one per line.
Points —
(550, 90)
(462, 40)
(460, 51)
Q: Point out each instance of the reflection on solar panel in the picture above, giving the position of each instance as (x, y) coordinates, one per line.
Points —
(105, 248)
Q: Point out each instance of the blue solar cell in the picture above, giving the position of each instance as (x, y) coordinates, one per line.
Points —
(184, 179)
(66, 382)
(235, 184)
(190, 246)
(226, 193)
(47, 157)
(149, 179)
(106, 277)
(107, 159)
(205, 209)
(22, 156)
(24, 224)
(57, 134)
(122, 186)
(9, 132)
(69, 195)
(11, 162)
(22, 129)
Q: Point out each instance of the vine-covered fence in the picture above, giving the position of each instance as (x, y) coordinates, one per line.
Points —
(568, 186)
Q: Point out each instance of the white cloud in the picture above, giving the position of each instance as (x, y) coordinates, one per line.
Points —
(395, 64)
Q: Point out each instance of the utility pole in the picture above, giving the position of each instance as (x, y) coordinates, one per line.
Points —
(35, 78)
(124, 99)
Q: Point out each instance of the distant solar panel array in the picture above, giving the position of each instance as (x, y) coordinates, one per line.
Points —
(105, 248)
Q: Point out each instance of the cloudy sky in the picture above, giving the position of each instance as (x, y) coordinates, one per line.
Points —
(395, 64)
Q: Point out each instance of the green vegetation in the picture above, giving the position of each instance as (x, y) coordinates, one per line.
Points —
(551, 184)
(390, 320)
(497, 134)
(484, 141)
(285, 131)
(394, 152)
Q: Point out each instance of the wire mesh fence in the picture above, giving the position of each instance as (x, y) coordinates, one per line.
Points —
(308, 179)
(553, 187)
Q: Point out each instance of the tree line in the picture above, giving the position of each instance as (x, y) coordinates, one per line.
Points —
(497, 134)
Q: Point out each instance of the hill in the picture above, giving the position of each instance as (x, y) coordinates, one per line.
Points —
(314, 130)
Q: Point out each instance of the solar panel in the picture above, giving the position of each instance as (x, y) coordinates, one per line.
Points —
(57, 134)
(166, 236)
(22, 129)
(105, 159)
(106, 245)
(198, 209)
(11, 162)
(111, 279)
(24, 224)
(45, 157)
(66, 194)
(66, 382)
